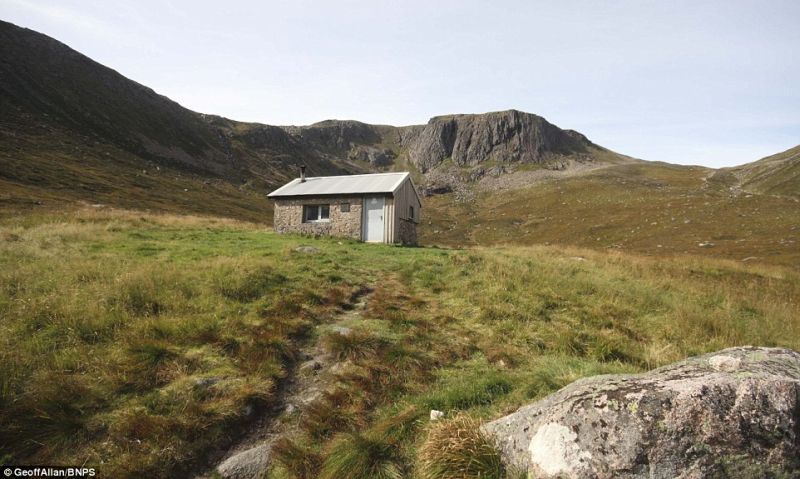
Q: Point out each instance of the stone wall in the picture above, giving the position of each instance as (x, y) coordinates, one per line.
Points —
(407, 232)
(289, 216)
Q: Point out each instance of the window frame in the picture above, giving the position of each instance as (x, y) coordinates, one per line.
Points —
(411, 212)
(319, 211)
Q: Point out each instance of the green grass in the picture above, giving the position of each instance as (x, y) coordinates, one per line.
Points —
(137, 342)
(646, 208)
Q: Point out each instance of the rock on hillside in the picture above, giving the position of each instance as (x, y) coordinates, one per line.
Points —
(734, 413)
(353, 140)
(506, 136)
(336, 136)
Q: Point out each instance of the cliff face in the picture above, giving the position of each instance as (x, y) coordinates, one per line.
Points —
(336, 136)
(504, 137)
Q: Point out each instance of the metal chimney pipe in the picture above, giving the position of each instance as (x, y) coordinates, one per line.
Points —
(303, 174)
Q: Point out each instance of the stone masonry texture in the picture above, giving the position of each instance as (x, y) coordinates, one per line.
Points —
(289, 216)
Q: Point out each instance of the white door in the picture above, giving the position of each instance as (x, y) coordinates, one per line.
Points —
(373, 218)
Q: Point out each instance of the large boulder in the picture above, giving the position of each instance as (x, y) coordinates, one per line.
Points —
(734, 413)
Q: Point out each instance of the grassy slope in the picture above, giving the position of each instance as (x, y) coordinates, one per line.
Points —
(648, 208)
(53, 168)
(73, 130)
(778, 174)
(110, 320)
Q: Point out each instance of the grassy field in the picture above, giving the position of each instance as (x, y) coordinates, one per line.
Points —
(140, 344)
(647, 208)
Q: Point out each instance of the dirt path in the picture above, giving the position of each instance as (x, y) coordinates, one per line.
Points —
(249, 457)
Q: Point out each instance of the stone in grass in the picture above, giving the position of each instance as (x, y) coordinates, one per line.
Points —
(734, 413)
(343, 330)
(436, 415)
(249, 464)
(206, 382)
(307, 249)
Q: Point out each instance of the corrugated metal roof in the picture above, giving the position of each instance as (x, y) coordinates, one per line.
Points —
(341, 185)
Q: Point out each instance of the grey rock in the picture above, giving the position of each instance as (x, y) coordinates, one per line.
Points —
(307, 249)
(310, 366)
(249, 464)
(203, 383)
(343, 330)
(432, 190)
(505, 137)
(436, 415)
(372, 155)
(336, 135)
(493, 171)
(734, 413)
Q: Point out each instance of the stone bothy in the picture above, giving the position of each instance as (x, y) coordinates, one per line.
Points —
(379, 208)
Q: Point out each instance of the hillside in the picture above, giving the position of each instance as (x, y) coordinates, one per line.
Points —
(775, 175)
(648, 208)
(72, 129)
(157, 344)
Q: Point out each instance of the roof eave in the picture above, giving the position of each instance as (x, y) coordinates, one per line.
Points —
(352, 193)
(276, 192)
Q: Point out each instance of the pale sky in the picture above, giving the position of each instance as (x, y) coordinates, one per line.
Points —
(691, 82)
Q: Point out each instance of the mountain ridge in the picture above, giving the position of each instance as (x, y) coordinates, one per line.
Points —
(73, 131)
(47, 84)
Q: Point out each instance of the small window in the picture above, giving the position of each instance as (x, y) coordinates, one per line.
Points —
(411, 212)
(344, 207)
(316, 213)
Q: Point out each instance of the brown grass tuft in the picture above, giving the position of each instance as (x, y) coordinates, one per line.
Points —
(458, 449)
(300, 462)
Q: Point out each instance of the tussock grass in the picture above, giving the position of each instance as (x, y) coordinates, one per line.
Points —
(355, 345)
(298, 462)
(361, 456)
(140, 340)
(333, 413)
(457, 449)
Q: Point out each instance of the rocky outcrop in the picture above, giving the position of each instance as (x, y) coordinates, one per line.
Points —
(734, 413)
(337, 135)
(502, 137)
(469, 140)
(374, 156)
(261, 137)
